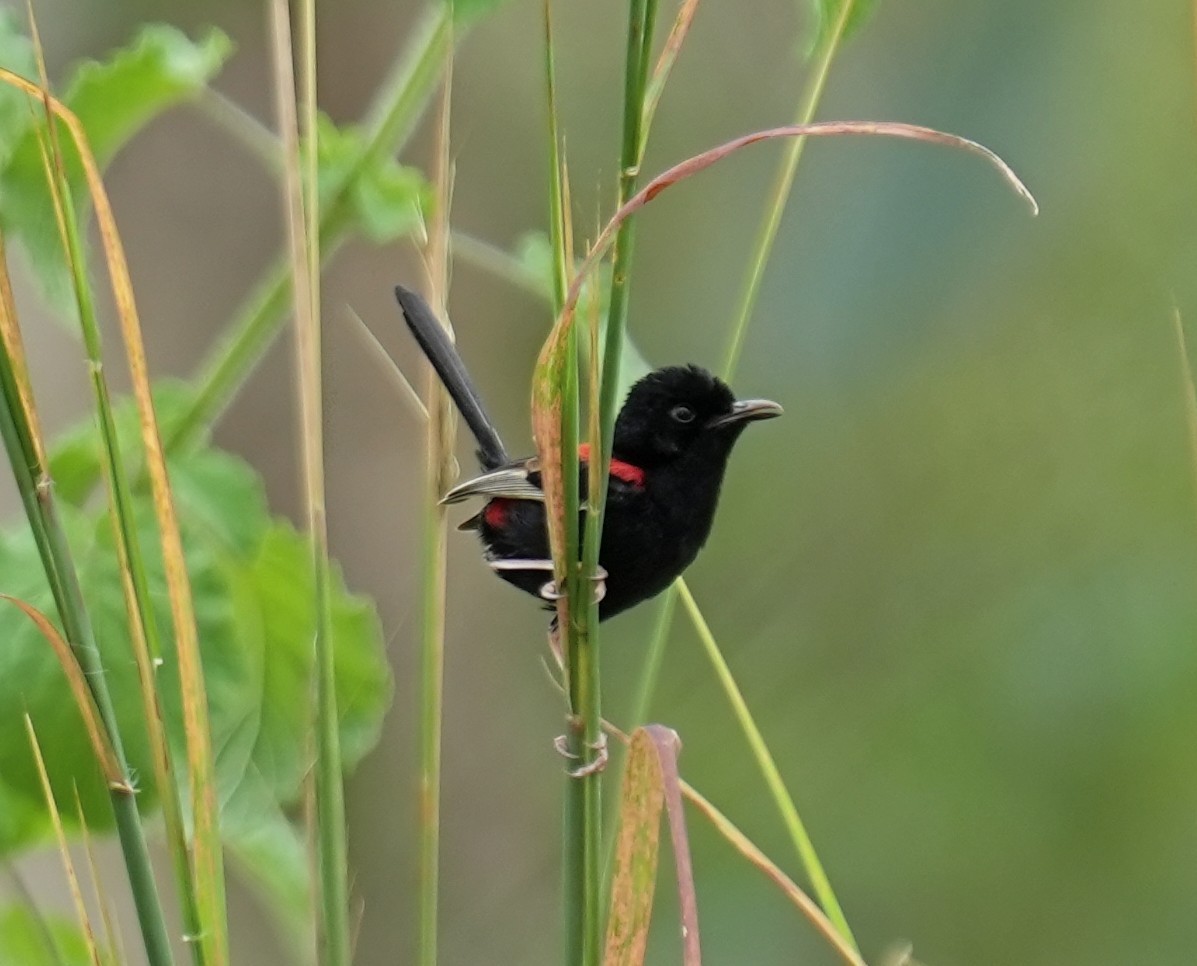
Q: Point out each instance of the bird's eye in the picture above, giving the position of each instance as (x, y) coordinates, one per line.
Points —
(682, 414)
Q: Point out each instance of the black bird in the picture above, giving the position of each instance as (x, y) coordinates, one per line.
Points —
(672, 439)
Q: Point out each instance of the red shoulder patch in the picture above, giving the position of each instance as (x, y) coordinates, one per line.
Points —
(495, 513)
(628, 473)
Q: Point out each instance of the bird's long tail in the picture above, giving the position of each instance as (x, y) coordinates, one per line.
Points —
(441, 352)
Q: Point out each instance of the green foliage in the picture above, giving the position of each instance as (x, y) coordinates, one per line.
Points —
(113, 100)
(467, 11)
(384, 200)
(252, 585)
(16, 53)
(29, 938)
(535, 256)
(826, 14)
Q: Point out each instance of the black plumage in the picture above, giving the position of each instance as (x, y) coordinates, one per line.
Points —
(672, 440)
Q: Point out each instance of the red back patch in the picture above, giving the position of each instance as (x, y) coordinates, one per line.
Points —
(632, 475)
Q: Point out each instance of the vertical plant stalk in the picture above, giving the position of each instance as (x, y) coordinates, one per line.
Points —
(143, 626)
(439, 465)
(20, 433)
(37, 495)
(779, 193)
(578, 919)
(783, 181)
(252, 330)
(584, 863)
(303, 235)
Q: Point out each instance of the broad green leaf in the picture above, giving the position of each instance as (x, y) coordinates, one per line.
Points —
(271, 852)
(826, 15)
(31, 938)
(16, 54)
(252, 586)
(113, 99)
(385, 200)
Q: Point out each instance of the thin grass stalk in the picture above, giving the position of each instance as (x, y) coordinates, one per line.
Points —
(779, 193)
(760, 750)
(581, 917)
(249, 334)
(37, 495)
(143, 626)
(64, 849)
(780, 190)
(303, 236)
(207, 865)
(99, 896)
(439, 466)
(26, 455)
(584, 863)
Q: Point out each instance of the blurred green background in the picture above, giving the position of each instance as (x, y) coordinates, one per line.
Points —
(957, 582)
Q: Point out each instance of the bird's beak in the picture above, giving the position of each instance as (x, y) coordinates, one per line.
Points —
(746, 411)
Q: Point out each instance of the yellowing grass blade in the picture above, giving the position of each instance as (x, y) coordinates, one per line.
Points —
(208, 862)
(14, 347)
(650, 781)
(636, 851)
(86, 704)
(64, 850)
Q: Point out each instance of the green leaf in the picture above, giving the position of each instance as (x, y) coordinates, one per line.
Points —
(385, 200)
(29, 938)
(16, 54)
(827, 14)
(253, 590)
(113, 100)
(467, 11)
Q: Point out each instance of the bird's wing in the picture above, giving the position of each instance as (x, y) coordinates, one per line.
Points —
(511, 482)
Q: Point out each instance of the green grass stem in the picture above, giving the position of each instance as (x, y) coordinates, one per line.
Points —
(775, 206)
(764, 758)
(37, 496)
(389, 124)
(303, 219)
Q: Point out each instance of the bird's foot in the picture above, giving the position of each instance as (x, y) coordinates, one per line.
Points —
(550, 592)
(561, 743)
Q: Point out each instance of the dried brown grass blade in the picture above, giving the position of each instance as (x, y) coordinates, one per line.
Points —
(553, 347)
(14, 348)
(667, 745)
(86, 704)
(651, 781)
(637, 847)
(806, 905)
(669, 54)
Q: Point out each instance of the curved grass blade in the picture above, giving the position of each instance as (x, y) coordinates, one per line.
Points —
(96, 733)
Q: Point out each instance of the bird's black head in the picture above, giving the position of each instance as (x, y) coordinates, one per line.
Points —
(680, 410)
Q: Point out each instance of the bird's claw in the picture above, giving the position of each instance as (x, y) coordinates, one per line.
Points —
(561, 743)
(549, 591)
